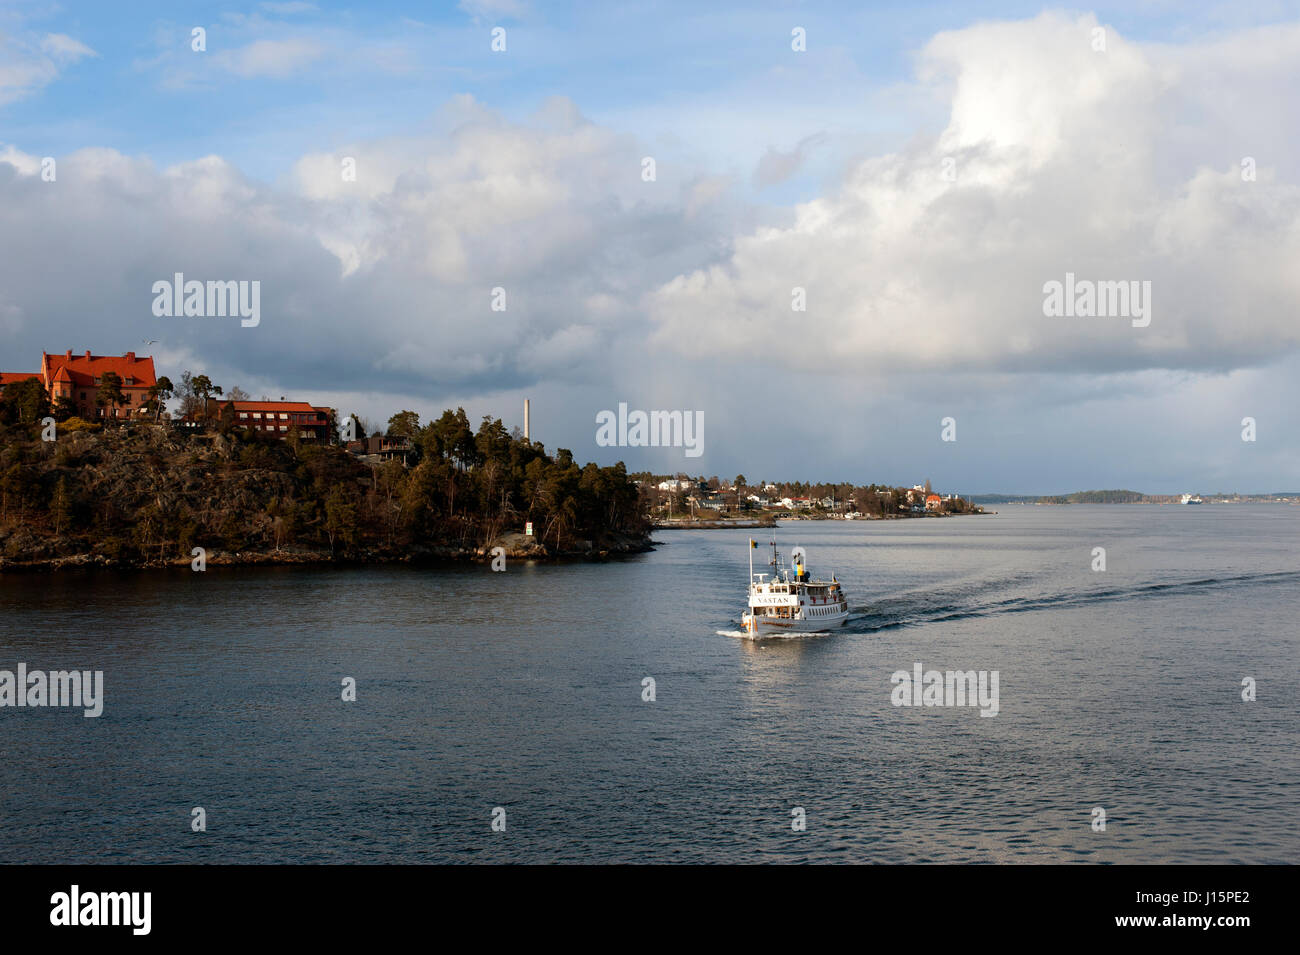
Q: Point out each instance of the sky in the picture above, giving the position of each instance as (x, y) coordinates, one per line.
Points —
(828, 231)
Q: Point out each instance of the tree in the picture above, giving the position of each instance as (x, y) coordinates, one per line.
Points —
(19, 485)
(452, 438)
(61, 506)
(160, 392)
(340, 517)
(404, 424)
(24, 402)
(195, 392)
(63, 408)
(110, 392)
(236, 394)
(739, 482)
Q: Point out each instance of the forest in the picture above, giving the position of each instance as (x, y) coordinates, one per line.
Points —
(146, 492)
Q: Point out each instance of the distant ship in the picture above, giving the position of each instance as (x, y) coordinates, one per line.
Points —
(1192, 499)
(791, 602)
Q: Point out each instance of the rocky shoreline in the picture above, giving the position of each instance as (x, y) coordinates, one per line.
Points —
(515, 547)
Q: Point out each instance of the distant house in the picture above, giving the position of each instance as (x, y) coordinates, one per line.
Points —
(280, 418)
(676, 485)
(933, 502)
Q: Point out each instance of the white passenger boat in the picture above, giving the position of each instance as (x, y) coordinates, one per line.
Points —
(786, 601)
(1191, 499)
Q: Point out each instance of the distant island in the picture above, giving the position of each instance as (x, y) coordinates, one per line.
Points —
(1134, 497)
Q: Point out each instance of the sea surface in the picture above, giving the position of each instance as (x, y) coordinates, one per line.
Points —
(522, 691)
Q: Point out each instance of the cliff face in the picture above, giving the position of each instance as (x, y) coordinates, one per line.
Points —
(148, 496)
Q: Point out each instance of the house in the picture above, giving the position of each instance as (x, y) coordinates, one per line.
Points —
(382, 447)
(77, 378)
(677, 485)
(933, 502)
(280, 418)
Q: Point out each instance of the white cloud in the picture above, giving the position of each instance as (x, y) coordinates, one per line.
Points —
(28, 65)
(270, 58)
(64, 48)
(776, 166)
(1066, 159)
(388, 278)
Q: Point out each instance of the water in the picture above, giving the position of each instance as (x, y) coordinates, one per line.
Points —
(522, 690)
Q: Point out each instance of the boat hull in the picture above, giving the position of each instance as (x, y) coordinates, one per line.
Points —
(763, 626)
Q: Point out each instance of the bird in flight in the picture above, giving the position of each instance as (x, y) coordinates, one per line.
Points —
(151, 341)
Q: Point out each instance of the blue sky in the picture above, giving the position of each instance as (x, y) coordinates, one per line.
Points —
(775, 169)
(145, 92)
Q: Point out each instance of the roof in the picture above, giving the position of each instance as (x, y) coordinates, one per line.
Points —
(11, 377)
(300, 406)
(83, 369)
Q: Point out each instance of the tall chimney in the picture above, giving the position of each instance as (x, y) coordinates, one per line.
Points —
(527, 420)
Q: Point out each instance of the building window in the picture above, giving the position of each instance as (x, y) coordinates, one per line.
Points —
(283, 417)
(284, 427)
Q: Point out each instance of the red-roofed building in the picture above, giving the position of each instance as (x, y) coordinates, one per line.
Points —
(281, 418)
(77, 378)
(13, 377)
(933, 502)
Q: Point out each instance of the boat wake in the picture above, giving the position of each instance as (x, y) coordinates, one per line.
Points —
(761, 637)
(921, 608)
